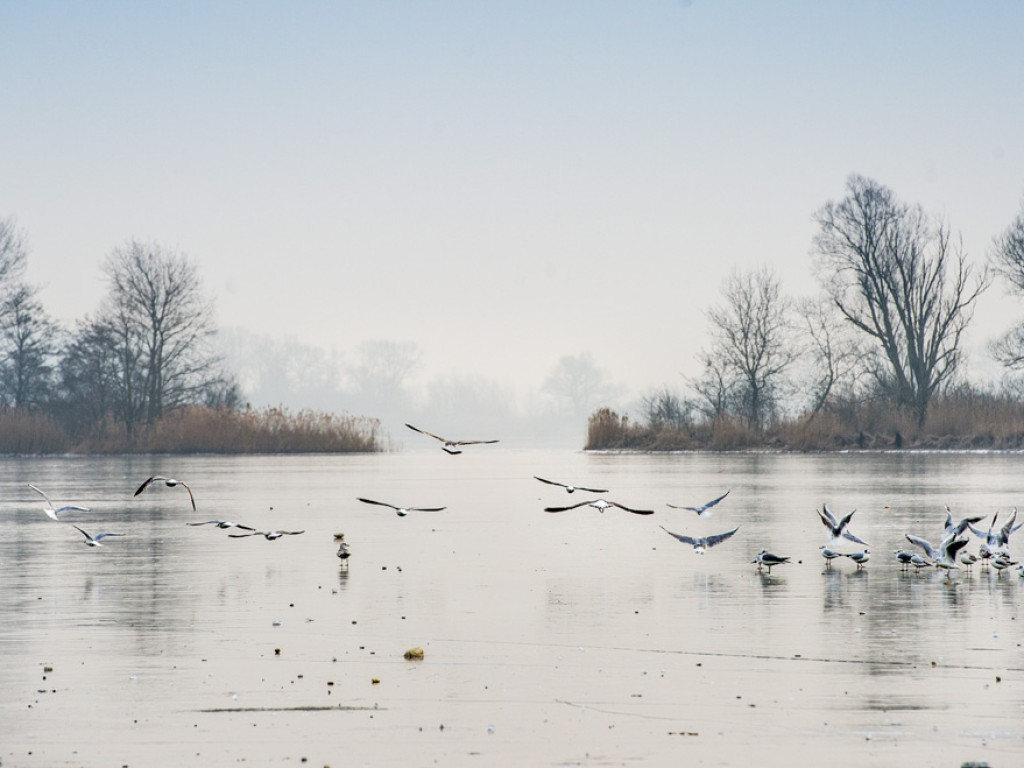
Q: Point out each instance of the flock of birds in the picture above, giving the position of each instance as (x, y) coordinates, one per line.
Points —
(948, 555)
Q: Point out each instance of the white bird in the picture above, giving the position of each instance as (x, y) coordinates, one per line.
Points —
(170, 482)
(947, 554)
(343, 552)
(704, 510)
(450, 446)
(702, 543)
(1020, 570)
(571, 488)
(829, 555)
(600, 505)
(1002, 562)
(904, 558)
(968, 559)
(401, 511)
(51, 511)
(932, 553)
(918, 562)
(860, 558)
(997, 540)
(94, 541)
(224, 524)
(767, 559)
(837, 529)
(268, 535)
(955, 529)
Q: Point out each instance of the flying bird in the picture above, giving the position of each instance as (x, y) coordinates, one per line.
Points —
(94, 541)
(766, 559)
(401, 511)
(571, 488)
(170, 482)
(704, 542)
(955, 529)
(450, 446)
(997, 540)
(704, 510)
(837, 529)
(947, 554)
(600, 505)
(268, 535)
(51, 511)
(224, 524)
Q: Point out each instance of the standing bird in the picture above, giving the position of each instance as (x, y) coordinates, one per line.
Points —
(968, 559)
(829, 555)
(996, 541)
(170, 482)
(837, 528)
(571, 488)
(600, 505)
(450, 446)
(767, 559)
(904, 558)
(1002, 562)
(704, 510)
(860, 558)
(704, 542)
(343, 553)
(51, 511)
(94, 541)
(402, 511)
(918, 562)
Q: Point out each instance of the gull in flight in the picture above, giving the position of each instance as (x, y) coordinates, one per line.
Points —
(51, 511)
(600, 505)
(700, 545)
(450, 446)
(997, 540)
(947, 554)
(955, 529)
(401, 511)
(932, 553)
(836, 528)
(94, 541)
(571, 488)
(224, 524)
(767, 559)
(268, 535)
(170, 482)
(704, 510)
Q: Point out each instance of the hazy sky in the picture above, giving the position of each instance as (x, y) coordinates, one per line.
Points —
(502, 183)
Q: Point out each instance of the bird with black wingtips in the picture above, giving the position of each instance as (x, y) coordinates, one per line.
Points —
(400, 511)
(571, 488)
(766, 559)
(224, 524)
(701, 544)
(94, 541)
(600, 505)
(268, 535)
(837, 528)
(450, 446)
(170, 482)
(51, 511)
(860, 558)
(704, 510)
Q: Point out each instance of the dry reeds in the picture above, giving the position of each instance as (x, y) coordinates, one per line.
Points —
(30, 432)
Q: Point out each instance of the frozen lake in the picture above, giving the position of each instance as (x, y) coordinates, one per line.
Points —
(565, 639)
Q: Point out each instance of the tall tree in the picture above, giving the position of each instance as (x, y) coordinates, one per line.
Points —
(904, 282)
(752, 341)
(1007, 259)
(28, 345)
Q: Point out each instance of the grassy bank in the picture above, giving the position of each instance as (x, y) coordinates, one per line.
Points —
(198, 430)
(971, 422)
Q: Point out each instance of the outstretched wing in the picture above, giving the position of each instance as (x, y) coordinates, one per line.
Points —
(424, 432)
(378, 503)
(718, 538)
(475, 442)
(714, 501)
(41, 494)
(852, 537)
(605, 490)
(846, 519)
(99, 536)
(254, 532)
(207, 522)
(426, 509)
(685, 539)
(923, 544)
(827, 517)
(630, 509)
(551, 482)
(71, 508)
(146, 484)
(564, 509)
(190, 496)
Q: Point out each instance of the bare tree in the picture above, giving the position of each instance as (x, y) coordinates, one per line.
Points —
(29, 343)
(382, 367)
(752, 340)
(577, 384)
(1007, 259)
(12, 253)
(664, 408)
(835, 356)
(901, 280)
(160, 326)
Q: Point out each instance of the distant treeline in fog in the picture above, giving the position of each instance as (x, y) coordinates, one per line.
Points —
(875, 361)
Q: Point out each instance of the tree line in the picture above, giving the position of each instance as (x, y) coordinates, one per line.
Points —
(879, 347)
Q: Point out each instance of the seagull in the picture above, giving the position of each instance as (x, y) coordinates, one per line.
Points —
(571, 488)
(958, 528)
(904, 558)
(94, 541)
(836, 529)
(968, 559)
(1002, 562)
(343, 552)
(860, 558)
(450, 446)
(1020, 570)
(703, 543)
(704, 510)
(402, 511)
(170, 482)
(918, 562)
(829, 555)
(947, 554)
(767, 559)
(600, 505)
(51, 511)
(224, 524)
(933, 553)
(268, 535)
(998, 540)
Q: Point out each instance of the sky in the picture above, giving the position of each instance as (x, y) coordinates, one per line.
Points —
(501, 183)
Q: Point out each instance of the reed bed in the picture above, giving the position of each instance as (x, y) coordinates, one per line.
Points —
(198, 429)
